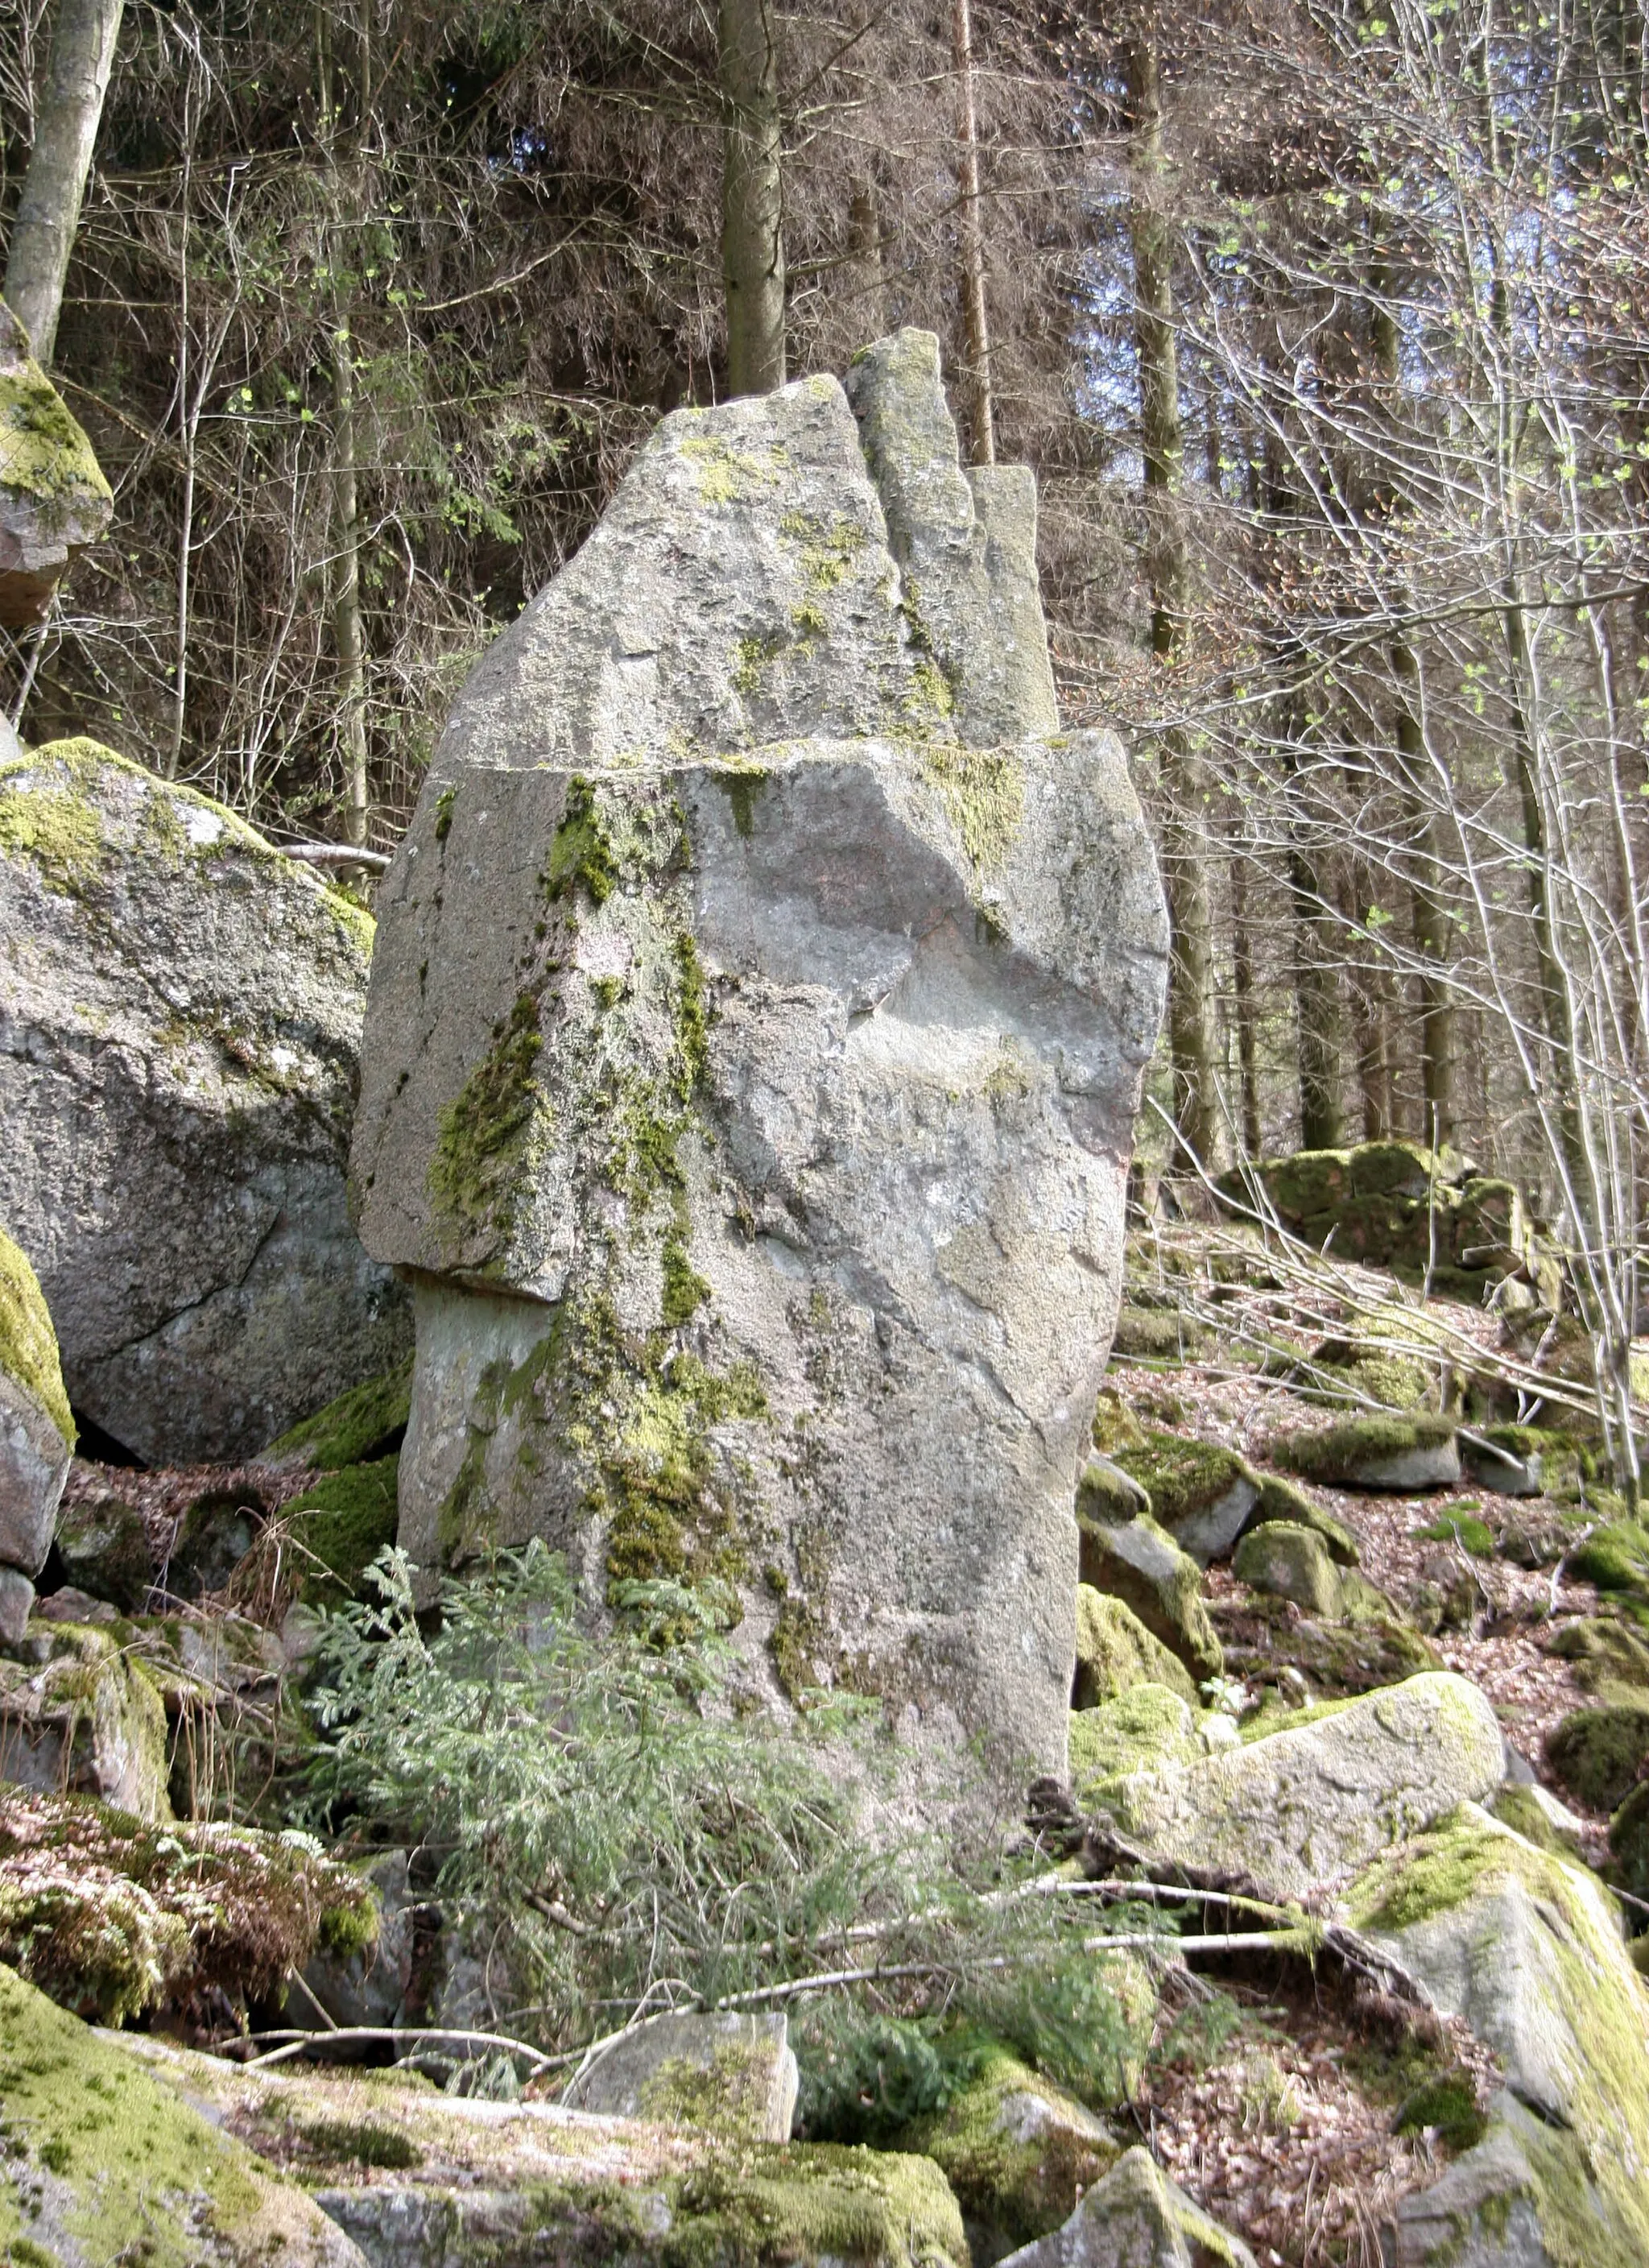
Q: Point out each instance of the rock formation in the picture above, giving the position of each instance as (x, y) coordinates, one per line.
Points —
(757, 1026)
(37, 1436)
(180, 1014)
(53, 499)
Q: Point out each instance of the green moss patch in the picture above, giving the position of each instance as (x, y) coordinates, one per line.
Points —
(1284, 1499)
(1017, 2152)
(28, 1345)
(1142, 1729)
(1181, 1476)
(580, 852)
(358, 1427)
(483, 1130)
(1445, 2106)
(1471, 1534)
(342, 1524)
(1329, 1455)
(1597, 1754)
(44, 451)
(1115, 1652)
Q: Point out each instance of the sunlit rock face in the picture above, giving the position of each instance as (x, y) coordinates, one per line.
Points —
(755, 1036)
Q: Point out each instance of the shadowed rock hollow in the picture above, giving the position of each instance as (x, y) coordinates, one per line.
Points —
(757, 1026)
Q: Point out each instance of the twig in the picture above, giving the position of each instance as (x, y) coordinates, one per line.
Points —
(334, 854)
(398, 2034)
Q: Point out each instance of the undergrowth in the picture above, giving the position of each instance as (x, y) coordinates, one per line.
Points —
(614, 1836)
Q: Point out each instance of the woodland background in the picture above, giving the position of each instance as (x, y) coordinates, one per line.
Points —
(1325, 328)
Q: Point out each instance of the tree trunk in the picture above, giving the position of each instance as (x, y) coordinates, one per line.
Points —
(1242, 985)
(65, 131)
(1428, 913)
(982, 434)
(864, 250)
(348, 636)
(1193, 1036)
(752, 211)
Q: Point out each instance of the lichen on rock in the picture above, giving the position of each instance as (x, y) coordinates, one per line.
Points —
(53, 499)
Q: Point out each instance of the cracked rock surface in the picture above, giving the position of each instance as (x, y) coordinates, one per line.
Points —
(760, 1007)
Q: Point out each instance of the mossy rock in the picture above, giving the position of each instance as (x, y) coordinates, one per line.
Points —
(1149, 1726)
(113, 1916)
(341, 1525)
(102, 1548)
(1018, 2153)
(1629, 1840)
(1139, 1563)
(1115, 1652)
(1157, 1335)
(79, 1712)
(1337, 1659)
(1597, 1754)
(1106, 1493)
(1604, 1653)
(358, 1428)
(102, 2164)
(28, 1344)
(1283, 1500)
(1361, 1375)
(1521, 1809)
(1200, 1493)
(1399, 1454)
(1114, 1425)
(1290, 1562)
(1615, 1558)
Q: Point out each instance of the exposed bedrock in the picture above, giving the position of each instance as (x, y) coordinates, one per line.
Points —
(756, 1030)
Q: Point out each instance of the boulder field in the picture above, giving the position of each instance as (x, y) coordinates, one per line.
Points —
(760, 1000)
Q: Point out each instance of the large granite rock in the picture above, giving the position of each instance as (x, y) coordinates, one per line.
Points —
(758, 1017)
(1136, 2218)
(104, 2163)
(37, 1436)
(53, 499)
(718, 2071)
(1527, 1949)
(180, 1014)
(1314, 1804)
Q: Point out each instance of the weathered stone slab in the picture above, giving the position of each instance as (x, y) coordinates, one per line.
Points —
(755, 1035)
(726, 2073)
(1315, 1803)
(180, 1014)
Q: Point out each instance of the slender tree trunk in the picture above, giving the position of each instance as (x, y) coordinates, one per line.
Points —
(1242, 985)
(865, 249)
(1192, 1033)
(1439, 1066)
(347, 201)
(66, 120)
(1368, 1020)
(752, 211)
(981, 435)
(1317, 1005)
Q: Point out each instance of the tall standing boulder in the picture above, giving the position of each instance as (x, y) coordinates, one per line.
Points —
(37, 1436)
(53, 499)
(762, 997)
(181, 1013)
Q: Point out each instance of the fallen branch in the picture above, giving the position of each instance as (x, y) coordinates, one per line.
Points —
(297, 2043)
(335, 854)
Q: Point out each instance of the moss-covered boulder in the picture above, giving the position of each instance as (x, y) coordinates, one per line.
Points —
(78, 1710)
(1629, 1841)
(1598, 1753)
(1115, 1652)
(1610, 1658)
(115, 1917)
(360, 1427)
(1615, 1558)
(1145, 1727)
(1137, 2218)
(1290, 1562)
(1157, 1334)
(715, 2072)
(1281, 1498)
(1017, 2152)
(102, 2163)
(191, 1007)
(53, 499)
(1106, 1491)
(1399, 1205)
(531, 2182)
(1490, 1464)
(101, 1547)
(1396, 1455)
(1527, 1949)
(1313, 1803)
(1357, 1372)
(1201, 1493)
(37, 1435)
(1140, 1564)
